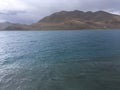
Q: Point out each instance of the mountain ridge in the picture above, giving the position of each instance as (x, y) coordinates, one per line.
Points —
(73, 20)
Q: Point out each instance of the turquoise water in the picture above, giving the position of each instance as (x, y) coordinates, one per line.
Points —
(60, 60)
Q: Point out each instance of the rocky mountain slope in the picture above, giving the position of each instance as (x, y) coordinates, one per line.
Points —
(74, 20)
(5, 25)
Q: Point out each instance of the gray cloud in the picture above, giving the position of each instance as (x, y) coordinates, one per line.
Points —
(15, 12)
(34, 10)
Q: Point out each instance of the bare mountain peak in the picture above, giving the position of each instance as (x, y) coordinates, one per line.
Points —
(75, 20)
(102, 12)
(63, 16)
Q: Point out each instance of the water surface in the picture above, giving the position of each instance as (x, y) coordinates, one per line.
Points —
(60, 60)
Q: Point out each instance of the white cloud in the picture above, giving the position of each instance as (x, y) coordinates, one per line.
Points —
(13, 5)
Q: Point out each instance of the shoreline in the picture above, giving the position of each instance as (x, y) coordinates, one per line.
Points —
(64, 30)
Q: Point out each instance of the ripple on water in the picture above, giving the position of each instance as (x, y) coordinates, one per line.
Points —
(60, 60)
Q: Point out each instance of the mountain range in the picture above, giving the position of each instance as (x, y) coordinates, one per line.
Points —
(70, 20)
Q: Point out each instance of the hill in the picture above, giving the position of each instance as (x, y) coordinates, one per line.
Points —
(74, 20)
(5, 25)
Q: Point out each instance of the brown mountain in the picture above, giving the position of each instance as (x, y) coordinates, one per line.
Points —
(18, 27)
(75, 20)
(5, 25)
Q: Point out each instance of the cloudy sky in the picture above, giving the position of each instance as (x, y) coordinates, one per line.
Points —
(30, 11)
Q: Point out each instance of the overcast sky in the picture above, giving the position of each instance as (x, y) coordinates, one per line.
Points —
(30, 11)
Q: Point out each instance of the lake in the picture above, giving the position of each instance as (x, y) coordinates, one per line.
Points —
(60, 60)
